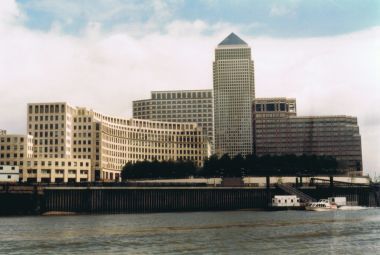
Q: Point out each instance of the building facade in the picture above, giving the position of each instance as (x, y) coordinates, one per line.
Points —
(18, 151)
(9, 173)
(62, 131)
(56, 170)
(15, 147)
(234, 92)
(178, 106)
(76, 144)
(279, 131)
(177, 125)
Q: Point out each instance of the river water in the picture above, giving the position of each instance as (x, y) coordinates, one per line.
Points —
(229, 232)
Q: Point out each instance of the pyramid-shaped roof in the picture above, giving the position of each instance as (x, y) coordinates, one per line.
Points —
(232, 39)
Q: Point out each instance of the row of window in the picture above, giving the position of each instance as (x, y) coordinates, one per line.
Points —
(57, 171)
(14, 147)
(13, 139)
(46, 118)
(182, 95)
(46, 163)
(57, 108)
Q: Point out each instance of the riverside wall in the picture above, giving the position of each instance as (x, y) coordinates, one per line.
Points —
(145, 199)
(97, 200)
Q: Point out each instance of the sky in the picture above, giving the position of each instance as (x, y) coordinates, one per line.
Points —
(104, 54)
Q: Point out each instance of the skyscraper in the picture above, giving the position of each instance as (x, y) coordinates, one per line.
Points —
(234, 92)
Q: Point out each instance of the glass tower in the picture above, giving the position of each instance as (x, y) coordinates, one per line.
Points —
(234, 93)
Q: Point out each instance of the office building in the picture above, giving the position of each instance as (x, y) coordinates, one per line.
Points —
(234, 92)
(177, 125)
(18, 151)
(62, 131)
(245, 125)
(178, 106)
(76, 144)
(9, 173)
(279, 131)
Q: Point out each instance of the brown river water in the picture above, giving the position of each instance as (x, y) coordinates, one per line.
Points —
(228, 232)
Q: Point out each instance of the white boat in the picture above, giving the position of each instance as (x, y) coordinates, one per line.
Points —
(287, 202)
(321, 206)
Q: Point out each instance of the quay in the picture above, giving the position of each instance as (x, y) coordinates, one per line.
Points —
(95, 198)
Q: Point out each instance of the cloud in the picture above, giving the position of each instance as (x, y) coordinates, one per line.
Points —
(107, 70)
(9, 12)
(284, 8)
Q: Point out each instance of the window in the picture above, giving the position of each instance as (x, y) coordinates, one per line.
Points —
(270, 107)
(258, 108)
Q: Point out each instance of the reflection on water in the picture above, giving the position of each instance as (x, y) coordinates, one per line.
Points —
(236, 232)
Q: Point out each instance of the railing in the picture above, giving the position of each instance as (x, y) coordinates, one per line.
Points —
(293, 191)
(318, 181)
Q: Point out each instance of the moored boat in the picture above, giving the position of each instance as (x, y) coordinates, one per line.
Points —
(286, 202)
(321, 206)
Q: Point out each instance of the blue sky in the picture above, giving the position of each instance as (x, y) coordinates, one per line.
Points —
(281, 18)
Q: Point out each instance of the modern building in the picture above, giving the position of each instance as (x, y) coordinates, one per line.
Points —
(62, 131)
(66, 143)
(15, 147)
(18, 151)
(178, 106)
(9, 173)
(76, 144)
(234, 92)
(56, 170)
(279, 131)
(245, 125)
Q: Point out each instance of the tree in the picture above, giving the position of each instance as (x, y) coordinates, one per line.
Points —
(268, 165)
(155, 169)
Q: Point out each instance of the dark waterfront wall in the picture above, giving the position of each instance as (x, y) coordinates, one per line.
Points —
(128, 200)
(161, 199)
(153, 199)
(19, 204)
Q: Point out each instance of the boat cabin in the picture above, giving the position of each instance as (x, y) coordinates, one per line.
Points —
(285, 201)
(339, 201)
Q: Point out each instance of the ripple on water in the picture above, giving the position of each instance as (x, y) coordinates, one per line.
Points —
(236, 232)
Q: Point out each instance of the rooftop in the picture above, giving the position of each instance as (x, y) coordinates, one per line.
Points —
(232, 39)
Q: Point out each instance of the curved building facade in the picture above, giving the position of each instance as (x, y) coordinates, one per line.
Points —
(60, 130)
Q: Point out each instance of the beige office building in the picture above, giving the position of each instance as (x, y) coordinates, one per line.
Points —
(279, 132)
(62, 131)
(18, 150)
(234, 92)
(178, 106)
